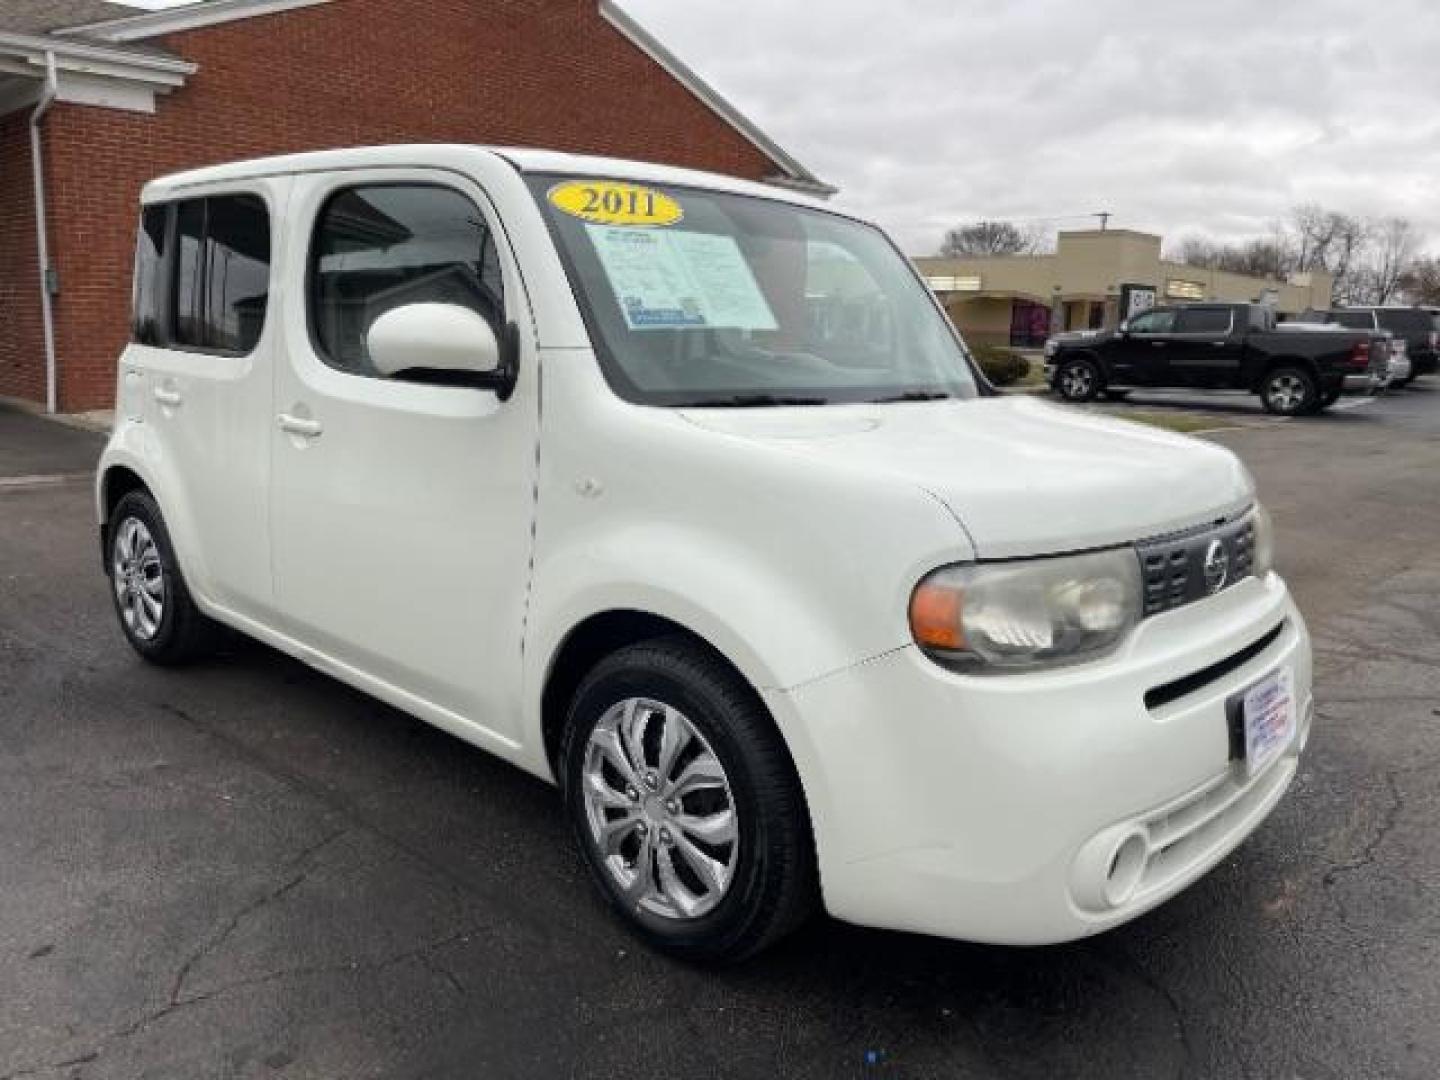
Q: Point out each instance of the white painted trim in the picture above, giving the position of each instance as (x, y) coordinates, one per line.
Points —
(178, 20)
(794, 175)
(107, 93)
(92, 57)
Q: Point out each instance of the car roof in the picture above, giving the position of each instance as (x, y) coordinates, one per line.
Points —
(455, 156)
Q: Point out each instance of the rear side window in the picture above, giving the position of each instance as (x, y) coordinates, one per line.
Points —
(1355, 320)
(380, 247)
(149, 297)
(222, 273)
(1412, 321)
(1204, 321)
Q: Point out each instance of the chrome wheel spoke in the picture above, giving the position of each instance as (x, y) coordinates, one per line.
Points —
(599, 789)
(614, 832)
(610, 746)
(674, 738)
(715, 829)
(642, 884)
(702, 773)
(711, 873)
(671, 887)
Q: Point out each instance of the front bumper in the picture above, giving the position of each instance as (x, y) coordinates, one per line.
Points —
(992, 808)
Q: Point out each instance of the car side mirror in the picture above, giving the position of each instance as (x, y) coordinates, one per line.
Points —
(443, 343)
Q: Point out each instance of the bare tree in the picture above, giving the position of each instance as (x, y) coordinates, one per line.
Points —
(1391, 252)
(988, 238)
(1420, 283)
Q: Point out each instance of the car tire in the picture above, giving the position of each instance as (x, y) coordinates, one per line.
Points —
(1328, 398)
(685, 803)
(152, 601)
(1289, 391)
(1078, 380)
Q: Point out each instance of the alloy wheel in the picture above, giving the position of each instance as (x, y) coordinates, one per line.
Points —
(1286, 393)
(1077, 381)
(660, 810)
(138, 576)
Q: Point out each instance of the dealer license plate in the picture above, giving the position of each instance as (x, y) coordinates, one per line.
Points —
(1268, 714)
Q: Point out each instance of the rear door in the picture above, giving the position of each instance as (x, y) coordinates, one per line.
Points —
(1207, 347)
(1142, 354)
(201, 372)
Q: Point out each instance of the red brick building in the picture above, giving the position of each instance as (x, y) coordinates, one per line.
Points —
(111, 96)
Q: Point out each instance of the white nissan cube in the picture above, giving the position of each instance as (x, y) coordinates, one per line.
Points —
(682, 493)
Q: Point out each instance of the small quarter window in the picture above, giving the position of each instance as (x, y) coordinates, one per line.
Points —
(149, 295)
(222, 274)
(381, 247)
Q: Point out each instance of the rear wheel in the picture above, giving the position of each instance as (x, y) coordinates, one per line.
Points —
(157, 615)
(1289, 391)
(1077, 380)
(1328, 398)
(685, 803)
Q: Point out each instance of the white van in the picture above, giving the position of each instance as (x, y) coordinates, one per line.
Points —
(681, 492)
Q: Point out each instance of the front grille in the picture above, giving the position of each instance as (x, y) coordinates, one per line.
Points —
(1184, 567)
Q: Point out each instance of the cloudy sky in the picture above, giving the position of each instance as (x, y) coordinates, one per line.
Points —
(1210, 118)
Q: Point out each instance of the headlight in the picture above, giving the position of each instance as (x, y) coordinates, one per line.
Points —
(1264, 559)
(1036, 613)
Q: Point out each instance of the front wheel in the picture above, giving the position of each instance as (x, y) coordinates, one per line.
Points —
(1289, 391)
(685, 803)
(1077, 380)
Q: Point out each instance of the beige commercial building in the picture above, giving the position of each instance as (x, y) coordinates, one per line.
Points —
(1095, 278)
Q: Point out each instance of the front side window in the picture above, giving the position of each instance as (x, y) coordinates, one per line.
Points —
(149, 296)
(1159, 321)
(380, 247)
(742, 300)
(222, 273)
(1204, 321)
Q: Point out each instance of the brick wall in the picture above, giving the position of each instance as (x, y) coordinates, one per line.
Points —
(549, 73)
(22, 343)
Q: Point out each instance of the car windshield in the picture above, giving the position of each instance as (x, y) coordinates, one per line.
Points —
(698, 297)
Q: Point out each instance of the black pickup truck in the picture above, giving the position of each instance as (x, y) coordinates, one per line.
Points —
(1295, 370)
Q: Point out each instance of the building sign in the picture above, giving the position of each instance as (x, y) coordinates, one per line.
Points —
(1135, 299)
(1176, 289)
(950, 283)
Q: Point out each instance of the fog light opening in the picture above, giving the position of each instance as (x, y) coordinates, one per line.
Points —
(1127, 866)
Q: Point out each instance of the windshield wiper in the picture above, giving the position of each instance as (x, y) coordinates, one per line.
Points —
(751, 401)
(914, 395)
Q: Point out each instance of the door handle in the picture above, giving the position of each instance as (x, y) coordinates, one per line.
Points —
(171, 399)
(300, 425)
(1157, 344)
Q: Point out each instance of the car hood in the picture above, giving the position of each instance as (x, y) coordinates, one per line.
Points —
(1023, 477)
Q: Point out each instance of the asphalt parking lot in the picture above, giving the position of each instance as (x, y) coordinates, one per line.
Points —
(247, 870)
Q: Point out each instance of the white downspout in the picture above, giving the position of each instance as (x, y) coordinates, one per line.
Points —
(47, 313)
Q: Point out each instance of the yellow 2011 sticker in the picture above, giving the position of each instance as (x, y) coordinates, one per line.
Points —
(612, 202)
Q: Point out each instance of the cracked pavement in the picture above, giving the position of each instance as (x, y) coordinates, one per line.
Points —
(248, 870)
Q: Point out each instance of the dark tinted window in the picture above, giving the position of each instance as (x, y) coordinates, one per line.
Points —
(222, 274)
(1159, 321)
(1355, 320)
(1204, 320)
(381, 247)
(1407, 321)
(149, 308)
